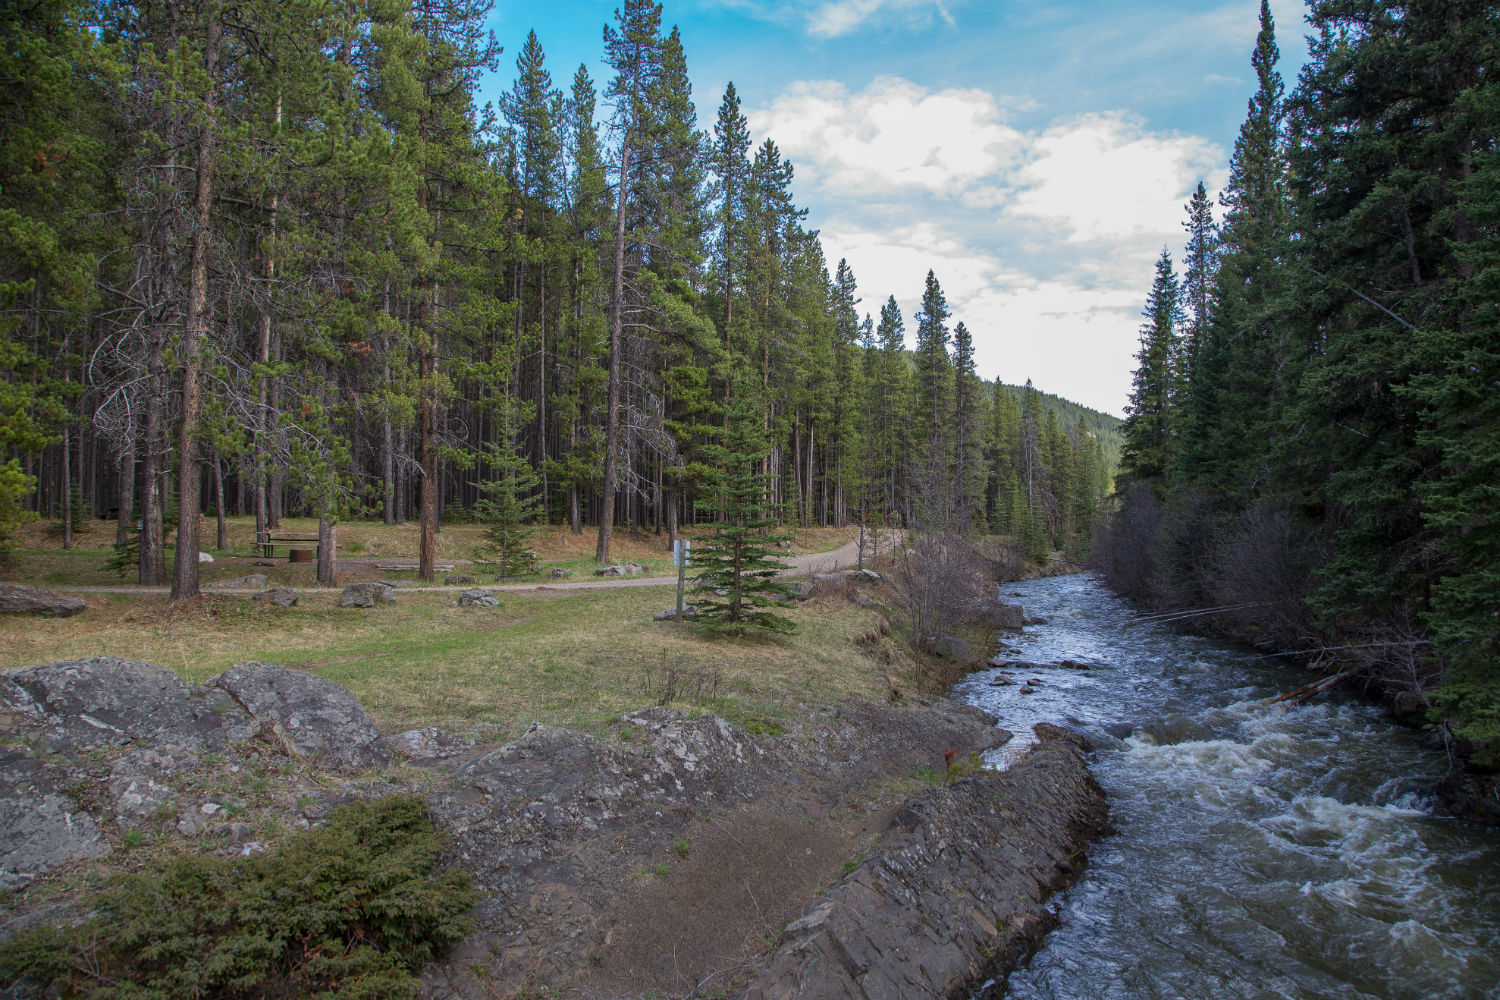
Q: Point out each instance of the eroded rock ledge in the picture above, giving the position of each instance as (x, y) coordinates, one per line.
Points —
(956, 897)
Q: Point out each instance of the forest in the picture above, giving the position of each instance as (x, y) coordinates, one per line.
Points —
(272, 257)
(1312, 450)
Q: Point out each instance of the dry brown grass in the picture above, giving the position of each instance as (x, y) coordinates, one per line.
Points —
(568, 657)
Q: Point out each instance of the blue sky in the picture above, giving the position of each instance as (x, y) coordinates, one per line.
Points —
(1035, 156)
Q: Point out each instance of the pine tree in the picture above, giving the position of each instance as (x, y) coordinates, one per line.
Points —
(1149, 428)
(1241, 362)
(508, 502)
(740, 557)
(934, 368)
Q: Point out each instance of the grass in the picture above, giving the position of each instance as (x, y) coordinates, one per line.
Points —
(576, 658)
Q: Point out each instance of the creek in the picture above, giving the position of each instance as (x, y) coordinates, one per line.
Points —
(1257, 850)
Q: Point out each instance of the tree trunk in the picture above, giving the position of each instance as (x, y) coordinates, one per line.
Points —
(221, 539)
(125, 493)
(328, 533)
(153, 560)
(190, 348)
(616, 323)
(427, 454)
(67, 488)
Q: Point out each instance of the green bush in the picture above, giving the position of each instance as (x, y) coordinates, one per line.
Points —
(347, 910)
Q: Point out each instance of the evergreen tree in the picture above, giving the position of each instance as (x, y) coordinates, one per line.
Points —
(1149, 430)
(507, 508)
(740, 557)
(934, 368)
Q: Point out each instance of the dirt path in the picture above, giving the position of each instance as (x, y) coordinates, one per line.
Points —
(843, 557)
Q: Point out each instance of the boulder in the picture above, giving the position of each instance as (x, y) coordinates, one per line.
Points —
(1010, 617)
(280, 597)
(20, 599)
(204, 557)
(478, 598)
(869, 574)
(688, 611)
(798, 590)
(460, 581)
(558, 573)
(951, 647)
(315, 716)
(366, 595)
(253, 581)
(106, 701)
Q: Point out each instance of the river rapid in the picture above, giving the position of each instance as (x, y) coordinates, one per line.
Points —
(1258, 850)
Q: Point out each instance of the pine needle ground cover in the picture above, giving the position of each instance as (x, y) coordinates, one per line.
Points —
(567, 657)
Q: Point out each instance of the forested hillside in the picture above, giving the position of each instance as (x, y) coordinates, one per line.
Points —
(1314, 435)
(270, 256)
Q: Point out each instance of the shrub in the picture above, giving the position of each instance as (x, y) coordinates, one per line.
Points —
(346, 910)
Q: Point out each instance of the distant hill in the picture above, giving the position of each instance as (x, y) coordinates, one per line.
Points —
(1108, 429)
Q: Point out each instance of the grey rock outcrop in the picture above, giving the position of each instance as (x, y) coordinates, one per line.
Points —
(21, 599)
(559, 573)
(688, 611)
(314, 715)
(280, 597)
(956, 898)
(366, 595)
(106, 701)
(478, 598)
(460, 581)
(40, 824)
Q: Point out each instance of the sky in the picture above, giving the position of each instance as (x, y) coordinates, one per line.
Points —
(1036, 157)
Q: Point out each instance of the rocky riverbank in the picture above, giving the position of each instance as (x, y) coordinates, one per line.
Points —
(652, 855)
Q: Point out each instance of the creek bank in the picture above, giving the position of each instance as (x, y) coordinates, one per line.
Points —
(645, 856)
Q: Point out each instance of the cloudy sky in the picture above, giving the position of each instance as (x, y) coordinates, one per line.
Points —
(1035, 156)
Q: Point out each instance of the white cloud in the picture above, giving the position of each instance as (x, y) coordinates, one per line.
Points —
(839, 17)
(893, 135)
(1104, 176)
(1068, 337)
(1044, 240)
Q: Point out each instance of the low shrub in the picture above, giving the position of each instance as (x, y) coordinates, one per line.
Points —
(349, 909)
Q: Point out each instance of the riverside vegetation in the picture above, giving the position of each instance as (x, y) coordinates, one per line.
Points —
(1312, 452)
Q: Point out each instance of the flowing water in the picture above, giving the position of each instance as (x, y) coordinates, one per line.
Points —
(1258, 850)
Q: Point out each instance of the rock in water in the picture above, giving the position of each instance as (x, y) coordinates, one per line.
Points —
(20, 599)
(478, 598)
(281, 597)
(1010, 617)
(316, 716)
(366, 595)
